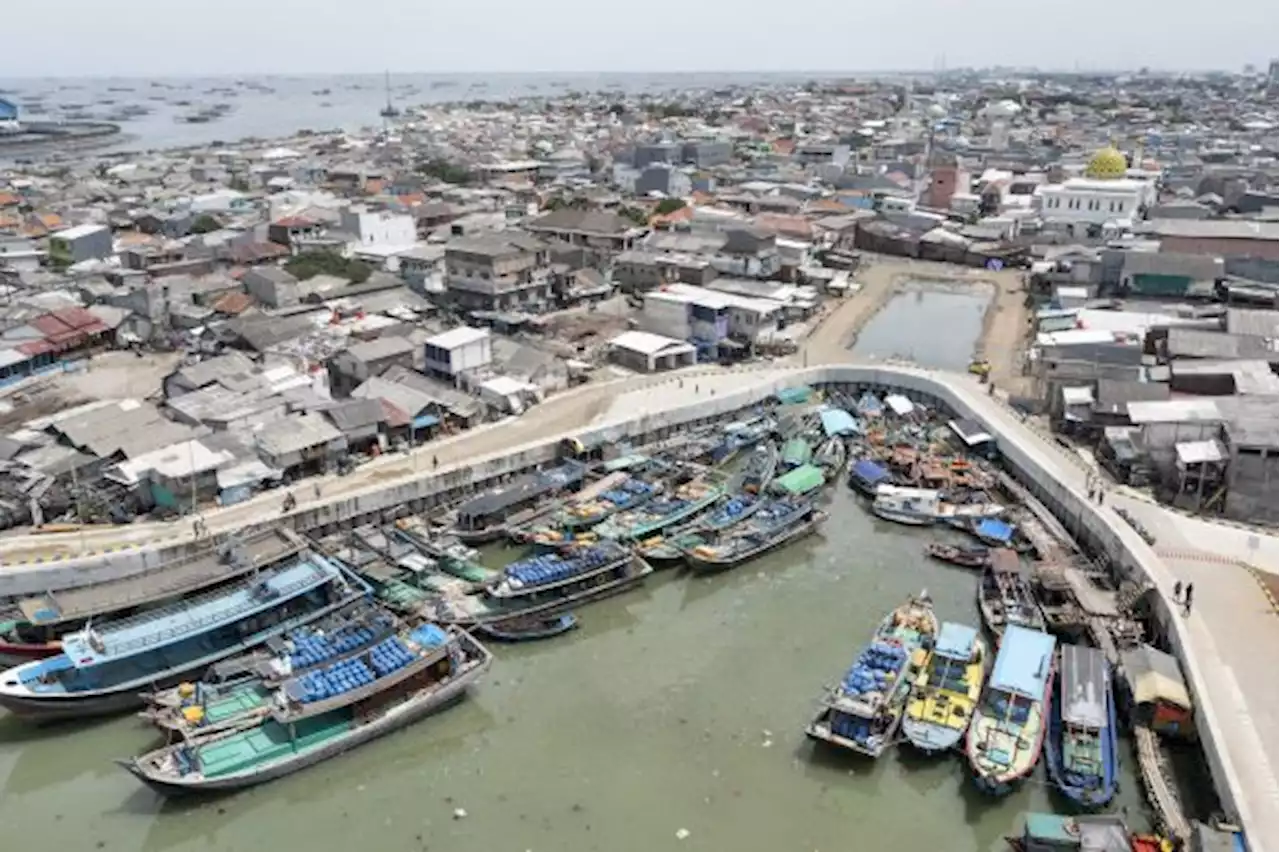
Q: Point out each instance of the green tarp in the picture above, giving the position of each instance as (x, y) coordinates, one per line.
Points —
(802, 480)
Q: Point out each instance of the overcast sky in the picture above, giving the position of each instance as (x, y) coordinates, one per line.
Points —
(164, 37)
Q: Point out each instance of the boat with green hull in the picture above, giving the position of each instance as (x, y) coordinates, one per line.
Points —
(313, 720)
(777, 523)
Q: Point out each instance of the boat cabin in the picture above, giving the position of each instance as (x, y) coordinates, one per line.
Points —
(974, 438)
(1087, 833)
(1157, 692)
(1023, 666)
(492, 508)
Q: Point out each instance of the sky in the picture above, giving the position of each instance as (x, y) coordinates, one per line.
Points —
(241, 37)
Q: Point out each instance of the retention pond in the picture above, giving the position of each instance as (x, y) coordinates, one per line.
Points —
(933, 324)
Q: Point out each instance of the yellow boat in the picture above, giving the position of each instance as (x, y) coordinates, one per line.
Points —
(946, 690)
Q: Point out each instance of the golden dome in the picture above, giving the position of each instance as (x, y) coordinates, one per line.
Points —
(1107, 164)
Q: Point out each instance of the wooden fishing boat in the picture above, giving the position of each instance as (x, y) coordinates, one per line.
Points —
(925, 507)
(667, 550)
(662, 512)
(867, 475)
(946, 690)
(529, 629)
(1005, 596)
(966, 557)
(1009, 725)
(321, 718)
(1083, 833)
(489, 516)
(234, 689)
(1081, 753)
(796, 452)
(617, 492)
(831, 457)
(758, 471)
(777, 523)
(863, 712)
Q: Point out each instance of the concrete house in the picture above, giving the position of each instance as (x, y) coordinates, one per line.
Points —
(272, 286)
(595, 229)
(81, 243)
(498, 272)
(362, 361)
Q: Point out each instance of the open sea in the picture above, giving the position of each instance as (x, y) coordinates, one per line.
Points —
(280, 105)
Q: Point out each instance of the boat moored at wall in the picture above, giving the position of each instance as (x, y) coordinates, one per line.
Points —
(1008, 729)
(776, 523)
(1081, 751)
(1005, 596)
(104, 668)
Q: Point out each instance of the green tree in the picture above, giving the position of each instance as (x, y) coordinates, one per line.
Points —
(312, 263)
(205, 224)
(669, 205)
(635, 214)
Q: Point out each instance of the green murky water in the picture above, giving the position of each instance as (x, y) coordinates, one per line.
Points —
(678, 705)
(934, 325)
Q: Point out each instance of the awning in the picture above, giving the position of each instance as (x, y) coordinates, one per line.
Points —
(424, 421)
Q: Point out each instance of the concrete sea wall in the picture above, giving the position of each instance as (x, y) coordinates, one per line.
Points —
(1099, 530)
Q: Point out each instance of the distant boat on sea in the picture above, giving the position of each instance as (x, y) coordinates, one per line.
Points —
(389, 111)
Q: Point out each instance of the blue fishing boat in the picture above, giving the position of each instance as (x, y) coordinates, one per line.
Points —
(866, 476)
(544, 572)
(863, 712)
(530, 629)
(869, 405)
(104, 668)
(738, 437)
(1081, 753)
(1008, 729)
(777, 522)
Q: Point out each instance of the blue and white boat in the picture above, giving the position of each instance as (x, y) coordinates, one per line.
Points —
(1008, 729)
(104, 668)
(1081, 752)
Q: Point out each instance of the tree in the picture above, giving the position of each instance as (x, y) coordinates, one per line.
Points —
(205, 224)
(312, 263)
(635, 214)
(669, 205)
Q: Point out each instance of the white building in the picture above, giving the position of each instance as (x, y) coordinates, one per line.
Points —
(1086, 204)
(380, 230)
(648, 353)
(459, 350)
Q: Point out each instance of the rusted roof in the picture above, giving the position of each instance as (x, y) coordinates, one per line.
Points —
(233, 303)
(67, 327)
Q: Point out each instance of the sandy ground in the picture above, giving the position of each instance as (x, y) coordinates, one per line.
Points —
(119, 375)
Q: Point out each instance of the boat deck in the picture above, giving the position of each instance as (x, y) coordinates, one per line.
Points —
(238, 702)
(268, 742)
(194, 616)
(169, 580)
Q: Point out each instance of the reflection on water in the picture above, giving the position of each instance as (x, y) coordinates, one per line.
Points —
(933, 325)
(681, 705)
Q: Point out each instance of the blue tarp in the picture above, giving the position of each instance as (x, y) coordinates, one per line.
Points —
(870, 472)
(793, 396)
(955, 641)
(995, 530)
(1023, 663)
(836, 421)
(422, 421)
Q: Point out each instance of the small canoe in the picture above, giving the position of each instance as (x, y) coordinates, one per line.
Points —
(966, 557)
(529, 629)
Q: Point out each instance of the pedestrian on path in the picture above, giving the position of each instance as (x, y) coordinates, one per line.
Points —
(435, 462)
(1177, 592)
(1186, 599)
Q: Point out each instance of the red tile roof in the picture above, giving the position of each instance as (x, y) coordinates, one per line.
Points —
(68, 327)
(233, 303)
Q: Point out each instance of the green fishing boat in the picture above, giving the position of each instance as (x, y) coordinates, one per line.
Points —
(663, 512)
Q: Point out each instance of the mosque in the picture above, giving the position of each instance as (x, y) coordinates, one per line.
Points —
(1102, 202)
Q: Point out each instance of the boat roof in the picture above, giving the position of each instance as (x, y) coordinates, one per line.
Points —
(955, 641)
(186, 618)
(1086, 833)
(1084, 677)
(625, 462)
(870, 471)
(802, 480)
(837, 421)
(527, 487)
(1005, 560)
(1154, 676)
(168, 579)
(996, 529)
(1023, 663)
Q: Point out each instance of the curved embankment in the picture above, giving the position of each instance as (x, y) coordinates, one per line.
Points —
(1240, 768)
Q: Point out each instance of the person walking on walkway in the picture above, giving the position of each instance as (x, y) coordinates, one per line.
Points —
(435, 462)
(1177, 592)
(1186, 599)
